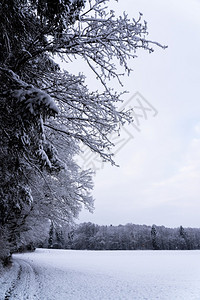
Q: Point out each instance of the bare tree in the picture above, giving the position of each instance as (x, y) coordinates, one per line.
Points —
(47, 112)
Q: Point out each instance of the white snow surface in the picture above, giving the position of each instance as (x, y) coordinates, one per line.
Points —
(68, 274)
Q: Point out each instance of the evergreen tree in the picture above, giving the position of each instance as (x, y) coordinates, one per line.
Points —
(51, 235)
(154, 239)
(184, 241)
(59, 239)
(182, 232)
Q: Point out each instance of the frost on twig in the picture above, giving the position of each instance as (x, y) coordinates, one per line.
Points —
(47, 113)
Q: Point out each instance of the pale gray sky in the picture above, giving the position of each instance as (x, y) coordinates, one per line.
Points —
(159, 176)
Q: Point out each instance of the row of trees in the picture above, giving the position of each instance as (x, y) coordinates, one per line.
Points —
(47, 113)
(123, 237)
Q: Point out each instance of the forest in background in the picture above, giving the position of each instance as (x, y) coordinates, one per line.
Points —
(89, 236)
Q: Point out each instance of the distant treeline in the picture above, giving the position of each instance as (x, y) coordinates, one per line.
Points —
(123, 237)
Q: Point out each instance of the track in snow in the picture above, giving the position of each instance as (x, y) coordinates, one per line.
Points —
(26, 285)
(102, 275)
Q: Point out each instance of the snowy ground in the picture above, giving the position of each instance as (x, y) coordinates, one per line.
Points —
(92, 275)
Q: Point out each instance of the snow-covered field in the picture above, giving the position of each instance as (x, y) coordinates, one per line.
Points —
(67, 274)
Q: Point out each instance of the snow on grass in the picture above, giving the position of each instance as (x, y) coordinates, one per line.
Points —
(67, 274)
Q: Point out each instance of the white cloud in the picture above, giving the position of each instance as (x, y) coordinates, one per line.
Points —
(197, 127)
(182, 186)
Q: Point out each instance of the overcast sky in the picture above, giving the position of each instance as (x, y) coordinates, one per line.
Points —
(158, 181)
